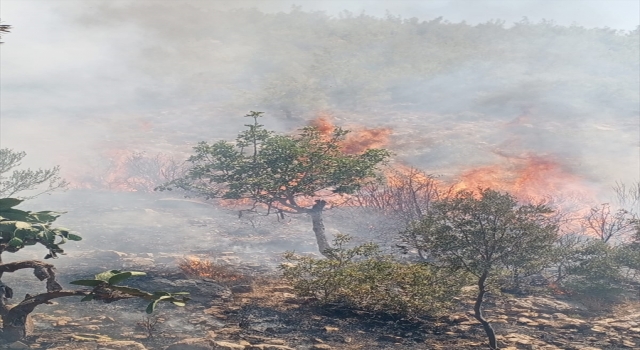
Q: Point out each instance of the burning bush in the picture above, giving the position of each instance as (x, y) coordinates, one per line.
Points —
(362, 278)
(132, 171)
(137, 171)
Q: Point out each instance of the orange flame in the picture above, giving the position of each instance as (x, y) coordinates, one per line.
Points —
(128, 171)
(358, 140)
(528, 178)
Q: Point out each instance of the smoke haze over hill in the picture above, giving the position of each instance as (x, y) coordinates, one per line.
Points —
(82, 80)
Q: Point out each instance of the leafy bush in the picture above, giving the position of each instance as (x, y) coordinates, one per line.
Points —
(362, 278)
(595, 268)
(19, 228)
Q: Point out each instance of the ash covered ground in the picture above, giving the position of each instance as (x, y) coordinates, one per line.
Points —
(152, 232)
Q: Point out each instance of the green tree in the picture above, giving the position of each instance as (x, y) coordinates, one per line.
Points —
(483, 233)
(280, 172)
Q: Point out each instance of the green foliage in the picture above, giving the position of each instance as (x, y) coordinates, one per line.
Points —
(109, 280)
(23, 180)
(488, 230)
(19, 228)
(361, 278)
(276, 170)
(484, 233)
(595, 266)
(303, 61)
(630, 252)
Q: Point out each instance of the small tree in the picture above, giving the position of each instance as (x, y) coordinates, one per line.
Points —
(284, 173)
(483, 233)
(14, 181)
(18, 229)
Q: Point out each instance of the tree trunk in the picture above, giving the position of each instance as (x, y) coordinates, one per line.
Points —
(516, 280)
(16, 326)
(318, 227)
(477, 308)
(16, 320)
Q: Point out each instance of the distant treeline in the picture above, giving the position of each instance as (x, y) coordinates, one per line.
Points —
(297, 61)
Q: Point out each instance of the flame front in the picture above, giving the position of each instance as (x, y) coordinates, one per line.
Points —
(529, 178)
(358, 140)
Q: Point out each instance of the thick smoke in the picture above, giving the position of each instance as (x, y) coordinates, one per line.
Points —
(84, 80)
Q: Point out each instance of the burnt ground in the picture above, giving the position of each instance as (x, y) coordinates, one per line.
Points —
(152, 233)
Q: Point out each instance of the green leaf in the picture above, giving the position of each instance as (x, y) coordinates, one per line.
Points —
(74, 237)
(15, 242)
(26, 233)
(117, 278)
(132, 291)
(152, 306)
(6, 203)
(87, 298)
(18, 215)
(7, 226)
(47, 216)
(88, 283)
(178, 303)
(105, 276)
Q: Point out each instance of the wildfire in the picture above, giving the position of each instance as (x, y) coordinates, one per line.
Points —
(528, 178)
(128, 171)
(358, 140)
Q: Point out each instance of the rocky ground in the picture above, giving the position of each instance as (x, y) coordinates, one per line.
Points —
(152, 234)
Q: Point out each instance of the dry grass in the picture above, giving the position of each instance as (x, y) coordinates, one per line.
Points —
(631, 307)
(222, 273)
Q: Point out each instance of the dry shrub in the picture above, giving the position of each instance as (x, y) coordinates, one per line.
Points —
(140, 172)
(406, 194)
(222, 273)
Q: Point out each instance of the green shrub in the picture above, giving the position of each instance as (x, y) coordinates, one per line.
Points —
(362, 278)
(596, 270)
